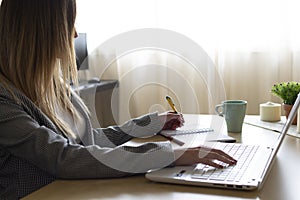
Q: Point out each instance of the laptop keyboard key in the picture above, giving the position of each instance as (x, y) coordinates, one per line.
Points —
(244, 155)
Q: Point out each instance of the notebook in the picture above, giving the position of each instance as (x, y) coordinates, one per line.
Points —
(254, 164)
(196, 136)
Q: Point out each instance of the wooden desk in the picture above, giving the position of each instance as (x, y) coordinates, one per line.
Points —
(283, 182)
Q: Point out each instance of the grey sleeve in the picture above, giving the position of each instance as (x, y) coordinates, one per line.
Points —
(144, 126)
(23, 137)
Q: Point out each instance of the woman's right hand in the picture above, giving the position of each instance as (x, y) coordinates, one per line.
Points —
(171, 120)
(204, 155)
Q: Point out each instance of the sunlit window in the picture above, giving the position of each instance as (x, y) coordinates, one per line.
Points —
(228, 25)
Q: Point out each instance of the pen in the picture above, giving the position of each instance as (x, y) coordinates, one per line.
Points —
(180, 143)
(168, 136)
(171, 104)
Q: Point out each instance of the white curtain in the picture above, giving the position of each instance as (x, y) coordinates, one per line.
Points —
(252, 44)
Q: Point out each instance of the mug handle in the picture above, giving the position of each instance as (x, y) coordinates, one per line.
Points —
(217, 109)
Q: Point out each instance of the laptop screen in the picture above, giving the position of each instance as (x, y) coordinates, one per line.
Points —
(288, 123)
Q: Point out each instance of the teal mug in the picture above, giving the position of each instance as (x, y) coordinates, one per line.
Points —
(234, 112)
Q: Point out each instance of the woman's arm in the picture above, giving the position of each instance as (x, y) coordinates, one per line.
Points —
(144, 126)
(24, 138)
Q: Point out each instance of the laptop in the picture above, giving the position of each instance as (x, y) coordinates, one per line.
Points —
(254, 164)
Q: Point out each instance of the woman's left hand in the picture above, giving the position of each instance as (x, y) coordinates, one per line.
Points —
(171, 120)
(205, 155)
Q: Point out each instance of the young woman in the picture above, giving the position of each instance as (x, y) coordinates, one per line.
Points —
(45, 130)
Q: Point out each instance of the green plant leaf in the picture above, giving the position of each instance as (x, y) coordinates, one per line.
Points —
(287, 91)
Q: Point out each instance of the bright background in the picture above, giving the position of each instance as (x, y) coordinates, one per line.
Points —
(253, 44)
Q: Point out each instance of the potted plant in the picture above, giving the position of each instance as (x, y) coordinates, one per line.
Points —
(288, 92)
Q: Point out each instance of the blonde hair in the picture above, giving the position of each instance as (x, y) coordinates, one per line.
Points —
(37, 53)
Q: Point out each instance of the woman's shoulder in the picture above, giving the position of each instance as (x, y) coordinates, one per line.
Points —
(14, 104)
(11, 99)
(6, 92)
(10, 93)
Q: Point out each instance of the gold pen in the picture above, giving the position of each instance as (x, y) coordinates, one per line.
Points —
(169, 137)
(171, 104)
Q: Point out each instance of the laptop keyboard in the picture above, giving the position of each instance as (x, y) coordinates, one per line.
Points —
(241, 152)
